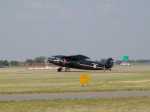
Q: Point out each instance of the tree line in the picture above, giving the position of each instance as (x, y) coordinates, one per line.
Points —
(40, 61)
(28, 62)
(6, 63)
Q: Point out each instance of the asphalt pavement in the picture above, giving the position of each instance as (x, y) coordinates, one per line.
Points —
(73, 95)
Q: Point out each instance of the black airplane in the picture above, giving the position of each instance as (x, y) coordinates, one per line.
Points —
(79, 62)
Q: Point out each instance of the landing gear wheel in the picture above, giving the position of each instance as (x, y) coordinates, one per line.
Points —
(59, 69)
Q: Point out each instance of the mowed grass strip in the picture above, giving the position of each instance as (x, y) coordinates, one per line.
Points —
(140, 104)
(22, 80)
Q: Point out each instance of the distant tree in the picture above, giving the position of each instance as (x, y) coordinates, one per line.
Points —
(29, 62)
(1, 63)
(14, 63)
(4, 63)
(40, 60)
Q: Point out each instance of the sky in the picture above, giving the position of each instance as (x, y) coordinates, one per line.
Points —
(96, 28)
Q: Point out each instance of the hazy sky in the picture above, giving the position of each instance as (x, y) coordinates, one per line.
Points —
(97, 28)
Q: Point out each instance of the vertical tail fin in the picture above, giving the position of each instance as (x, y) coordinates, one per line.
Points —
(109, 63)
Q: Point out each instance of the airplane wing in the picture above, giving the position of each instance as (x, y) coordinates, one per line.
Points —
(72, 57)
(77, 57)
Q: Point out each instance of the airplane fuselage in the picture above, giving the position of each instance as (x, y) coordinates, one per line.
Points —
(81, 63)
(86, 65)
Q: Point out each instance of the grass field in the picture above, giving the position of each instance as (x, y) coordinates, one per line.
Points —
(22, 80)
(90, 105)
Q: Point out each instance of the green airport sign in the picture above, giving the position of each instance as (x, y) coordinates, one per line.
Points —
(125, 58)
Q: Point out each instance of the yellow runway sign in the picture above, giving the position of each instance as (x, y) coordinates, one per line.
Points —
(84, 79)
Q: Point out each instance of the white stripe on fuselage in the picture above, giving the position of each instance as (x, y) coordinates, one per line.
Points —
(89, 66)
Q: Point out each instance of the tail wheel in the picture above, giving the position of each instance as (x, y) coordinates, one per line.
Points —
(59, 69)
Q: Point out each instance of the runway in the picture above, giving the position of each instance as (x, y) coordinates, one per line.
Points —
(74, 95)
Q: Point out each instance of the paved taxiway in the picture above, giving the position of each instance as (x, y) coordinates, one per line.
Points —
(77, 95)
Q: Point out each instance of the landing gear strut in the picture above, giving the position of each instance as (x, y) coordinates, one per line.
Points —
(60, 69)
(67, 69)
